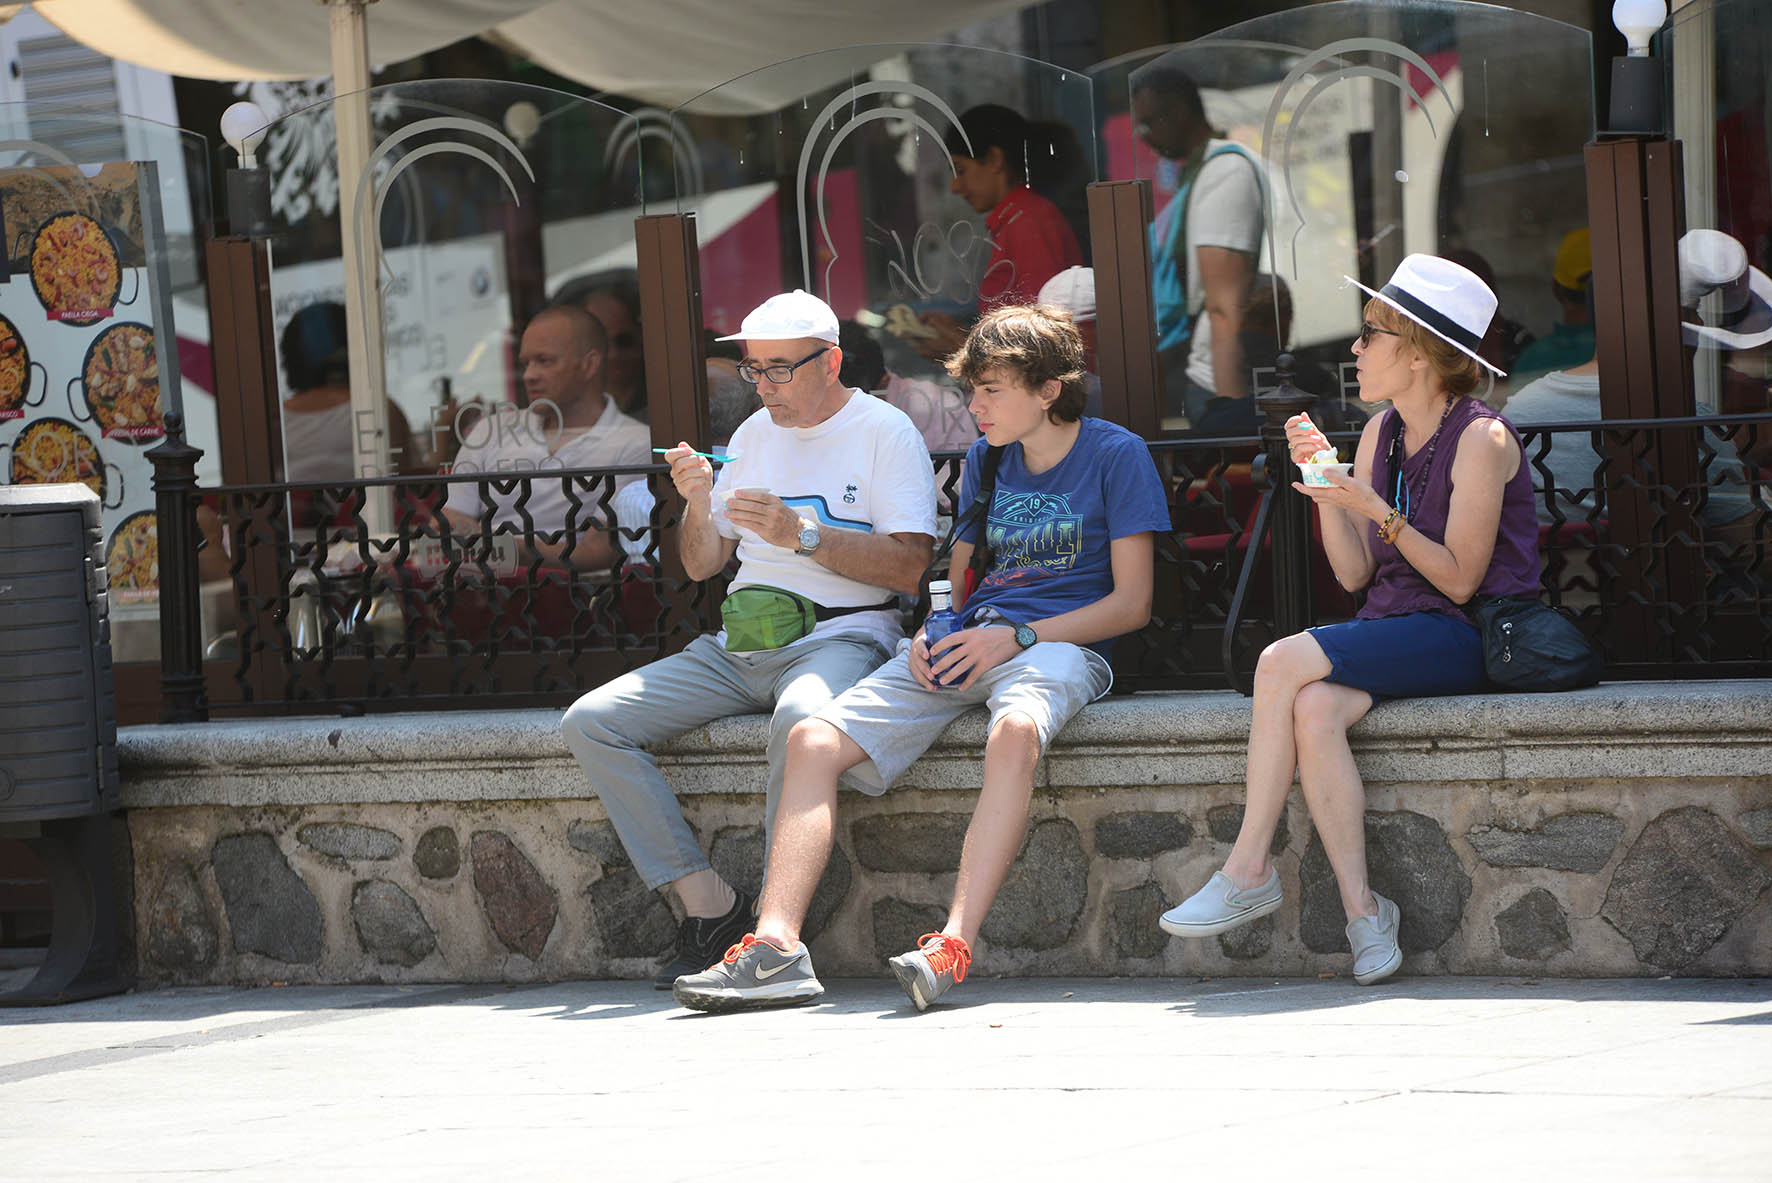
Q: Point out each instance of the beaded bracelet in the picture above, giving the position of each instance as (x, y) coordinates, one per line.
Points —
(1390, 527)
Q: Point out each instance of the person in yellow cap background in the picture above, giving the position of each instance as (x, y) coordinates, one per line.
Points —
(1571, 342)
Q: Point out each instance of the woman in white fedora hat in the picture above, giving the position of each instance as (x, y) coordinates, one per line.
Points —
(1438, 509)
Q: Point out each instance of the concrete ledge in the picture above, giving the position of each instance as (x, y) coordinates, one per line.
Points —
(1625, 729)
(1621, 830)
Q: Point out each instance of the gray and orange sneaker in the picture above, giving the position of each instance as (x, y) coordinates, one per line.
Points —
(936, 965)
(754, 973)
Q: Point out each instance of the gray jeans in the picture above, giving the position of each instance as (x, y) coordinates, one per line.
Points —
(610, 728)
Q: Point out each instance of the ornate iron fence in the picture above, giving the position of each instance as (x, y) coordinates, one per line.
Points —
(1656, 537)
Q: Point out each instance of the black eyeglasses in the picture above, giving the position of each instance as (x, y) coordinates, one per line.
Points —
(1367, 328)
(776, 374)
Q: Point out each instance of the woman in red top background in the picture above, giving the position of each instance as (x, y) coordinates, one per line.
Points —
(994, 150)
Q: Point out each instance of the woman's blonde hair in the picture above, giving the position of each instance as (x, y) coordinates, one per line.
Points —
(1459, 372)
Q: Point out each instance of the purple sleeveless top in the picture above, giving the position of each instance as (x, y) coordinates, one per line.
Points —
(1398, 588)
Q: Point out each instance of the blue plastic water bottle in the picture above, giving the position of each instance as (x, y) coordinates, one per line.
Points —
(942, 618)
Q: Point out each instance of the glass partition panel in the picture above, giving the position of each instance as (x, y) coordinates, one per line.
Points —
(484, 201)
(461, 388)
(910, 186)
(104, 324)
(1330, 141)
(1719, 57)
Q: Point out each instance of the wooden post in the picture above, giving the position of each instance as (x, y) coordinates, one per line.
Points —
(1636, 213)
(676, 371)
(1125, 313)
(251, 431)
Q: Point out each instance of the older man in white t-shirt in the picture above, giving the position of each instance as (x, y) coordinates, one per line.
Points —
(570, 423)
(828, 503)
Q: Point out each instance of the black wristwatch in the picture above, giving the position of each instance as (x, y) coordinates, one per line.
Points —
(1025, 636)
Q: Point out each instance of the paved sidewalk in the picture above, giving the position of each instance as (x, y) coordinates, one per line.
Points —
(1424, 1078)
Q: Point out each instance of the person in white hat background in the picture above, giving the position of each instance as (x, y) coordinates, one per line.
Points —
(1710, 262)
(827, 499)
(1073, 291)
(1737, 323)
(1438, 509)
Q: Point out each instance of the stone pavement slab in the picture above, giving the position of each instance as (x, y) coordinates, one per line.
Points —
(1442, 1078)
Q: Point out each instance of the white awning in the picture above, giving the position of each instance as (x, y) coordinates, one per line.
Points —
(662, 51)
(668, 51)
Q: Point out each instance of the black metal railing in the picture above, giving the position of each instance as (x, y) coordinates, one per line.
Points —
(364, 596)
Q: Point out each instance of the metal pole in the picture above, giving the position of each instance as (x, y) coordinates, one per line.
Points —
(1292, 510)
(360, 256)
(181, 619)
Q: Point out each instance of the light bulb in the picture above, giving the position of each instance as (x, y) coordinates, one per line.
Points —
(243, 126)
(1638, 20)
(522, 120)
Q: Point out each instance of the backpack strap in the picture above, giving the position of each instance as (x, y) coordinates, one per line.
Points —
(1187, 205)
(973, 515)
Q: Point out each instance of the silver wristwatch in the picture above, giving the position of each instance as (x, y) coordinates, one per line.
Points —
(808, 538)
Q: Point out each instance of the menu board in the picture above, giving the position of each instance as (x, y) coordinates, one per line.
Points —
(80, 364)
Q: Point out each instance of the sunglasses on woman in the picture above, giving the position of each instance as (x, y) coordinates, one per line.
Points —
(1367, 328)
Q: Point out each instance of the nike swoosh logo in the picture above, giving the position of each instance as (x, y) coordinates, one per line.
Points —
(763, 975)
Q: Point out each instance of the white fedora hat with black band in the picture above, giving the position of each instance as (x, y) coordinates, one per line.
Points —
(1712, 261)
(1442, 297)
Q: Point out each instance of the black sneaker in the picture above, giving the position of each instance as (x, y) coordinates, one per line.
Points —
(703, 940)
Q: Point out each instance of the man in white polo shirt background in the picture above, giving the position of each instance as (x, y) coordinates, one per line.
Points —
(570, 423)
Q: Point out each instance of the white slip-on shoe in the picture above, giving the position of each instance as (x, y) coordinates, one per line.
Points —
(1374, 942)
(1219, 906)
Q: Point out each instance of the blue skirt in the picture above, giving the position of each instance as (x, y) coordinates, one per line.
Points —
(1419, 655)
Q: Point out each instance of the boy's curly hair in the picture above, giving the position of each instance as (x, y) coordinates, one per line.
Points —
(1037, 343)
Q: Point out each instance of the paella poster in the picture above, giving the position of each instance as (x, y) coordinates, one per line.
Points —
(80, 395)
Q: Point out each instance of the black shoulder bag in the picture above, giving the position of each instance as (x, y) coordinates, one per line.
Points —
(1528, 645)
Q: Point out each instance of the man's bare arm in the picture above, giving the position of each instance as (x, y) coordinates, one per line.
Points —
(896, 561)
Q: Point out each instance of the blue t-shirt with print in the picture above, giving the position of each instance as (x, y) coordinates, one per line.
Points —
(1050, 533)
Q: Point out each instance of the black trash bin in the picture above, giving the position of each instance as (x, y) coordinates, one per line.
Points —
(58, 729)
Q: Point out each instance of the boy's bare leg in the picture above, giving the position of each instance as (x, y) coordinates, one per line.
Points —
(999, 822)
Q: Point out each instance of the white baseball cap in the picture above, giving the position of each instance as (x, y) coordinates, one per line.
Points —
(1444, 298)
(1073, 290)
(788, 317)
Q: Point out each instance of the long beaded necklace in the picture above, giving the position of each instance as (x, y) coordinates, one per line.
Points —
(1403, 497)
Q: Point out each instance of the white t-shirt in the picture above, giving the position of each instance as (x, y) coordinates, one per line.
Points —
(865, 468)
(508, 445)
(1224, 209)
(317, 444)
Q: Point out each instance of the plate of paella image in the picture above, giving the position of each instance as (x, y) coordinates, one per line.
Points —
(75, 269)
(55, 452)
(120, 381)
(132, 559)
(15, 372)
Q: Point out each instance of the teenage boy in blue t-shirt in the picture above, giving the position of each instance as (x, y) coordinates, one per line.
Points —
(1069, 531)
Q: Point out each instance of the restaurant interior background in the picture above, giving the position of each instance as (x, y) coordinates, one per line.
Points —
(1507, 186)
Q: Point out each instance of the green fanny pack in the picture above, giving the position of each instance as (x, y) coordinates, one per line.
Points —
(760, 617)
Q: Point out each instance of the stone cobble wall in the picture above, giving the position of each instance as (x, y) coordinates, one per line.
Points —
(1618, 876)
